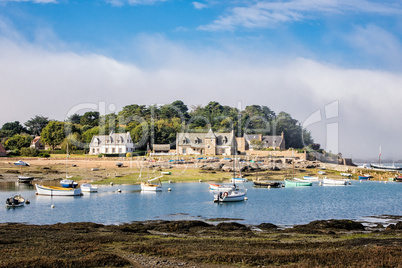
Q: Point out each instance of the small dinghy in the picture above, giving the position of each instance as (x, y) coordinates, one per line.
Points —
(15, 201)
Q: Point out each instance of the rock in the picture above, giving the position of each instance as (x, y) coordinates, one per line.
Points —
(231, 226)
(267, 226)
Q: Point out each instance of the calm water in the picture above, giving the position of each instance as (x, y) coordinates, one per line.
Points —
(283, 206)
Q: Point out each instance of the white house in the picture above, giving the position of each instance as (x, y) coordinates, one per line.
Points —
(114, 143)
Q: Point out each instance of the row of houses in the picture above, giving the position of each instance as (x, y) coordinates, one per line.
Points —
(210, 143)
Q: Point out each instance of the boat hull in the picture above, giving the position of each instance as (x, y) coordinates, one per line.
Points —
(68, 183)
(24, 179)
(89, 188)
(221, 187)
(310, 178)
(385, 167)
(238, 180)
(334, 182)
(151, 187)
(273, 184)
(57, 191)
(364, 178)
(15, 201)
(231, 196)
(290, 183)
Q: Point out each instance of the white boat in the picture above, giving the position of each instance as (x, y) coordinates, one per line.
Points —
(15, 201)
(57, 191)
(86, 187)
(310, 178)
(68, 183)
(346, 175)
(321, 172)
(21, 163)
(230, 196)
(25, 179)
(238, 180)
(148, 186)
(335, 182)
(221, 187)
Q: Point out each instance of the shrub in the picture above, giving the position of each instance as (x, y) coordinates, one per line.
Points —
(44, 154)
(27, 151)
(100, 155)
(129, 155)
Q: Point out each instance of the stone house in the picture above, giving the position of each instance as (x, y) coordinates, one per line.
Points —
(276, 142)
(160, 149)
(205, 143)
(114, 143)
(37, 144)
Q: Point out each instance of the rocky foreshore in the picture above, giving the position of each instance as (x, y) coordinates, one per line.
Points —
(325, 243)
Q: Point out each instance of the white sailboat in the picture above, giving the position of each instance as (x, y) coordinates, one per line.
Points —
(232, 195)
(148, 186)
(67, 182)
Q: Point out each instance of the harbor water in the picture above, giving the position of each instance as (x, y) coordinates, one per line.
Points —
(188, 201)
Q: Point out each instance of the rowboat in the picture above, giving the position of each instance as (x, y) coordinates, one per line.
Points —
(346, 175)
(15, 201)
(86, 187)
(295, 183)
(364, 178)
(321, 172)
(57, 191)
(273, 184)
(327, 181)
(310, 178)
(221, 187)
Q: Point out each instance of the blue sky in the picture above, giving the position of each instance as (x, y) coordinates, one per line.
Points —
(295, 55)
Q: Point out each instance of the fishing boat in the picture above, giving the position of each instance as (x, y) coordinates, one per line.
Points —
(86, 187)
(15, 201)
(327, 181)
(272, 184)
(221, 187)
(346, 175)
(22, 178)
(68, 183)
(148, 186)
(236, 195)
(310, 178)
(295, 183)
(57, 191)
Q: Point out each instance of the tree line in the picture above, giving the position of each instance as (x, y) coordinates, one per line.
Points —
(155, 125)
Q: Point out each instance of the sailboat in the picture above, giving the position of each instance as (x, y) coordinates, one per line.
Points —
(235, 195)
(381, 166)
(22, 178)
(86, 187)
(149, 186)
(67, 183)
(295, 182)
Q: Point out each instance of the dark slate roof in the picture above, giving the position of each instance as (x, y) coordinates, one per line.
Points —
(197, 140)
(271, 141)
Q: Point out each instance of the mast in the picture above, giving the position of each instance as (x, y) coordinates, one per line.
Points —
(379, 157)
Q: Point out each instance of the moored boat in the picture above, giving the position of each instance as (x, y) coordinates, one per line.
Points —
(272, 184)
(234, 180)
(321, 172)
(57, 191)
(296, 183)
(230, 196)
(15, 201)
(25, 179)
(86, 187)
(310, 178)
(328, 181)
(364, 177)
(221, 187)
(148, 186)
(68, 183)
(346, 175)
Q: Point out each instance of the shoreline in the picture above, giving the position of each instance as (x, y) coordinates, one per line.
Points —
(330, 243)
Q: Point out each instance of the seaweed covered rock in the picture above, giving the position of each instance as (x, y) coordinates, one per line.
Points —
(327, 225)
(178, 226)
(267, 226)
(231, 226)
(397, 226)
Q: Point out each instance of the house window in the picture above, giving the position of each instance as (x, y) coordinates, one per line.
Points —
(107, 150)
(184, 151)
(113, 150)
(119, 150)
(93, 151)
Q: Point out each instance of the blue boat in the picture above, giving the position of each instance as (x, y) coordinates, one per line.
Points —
(364, 177)
(68, 183)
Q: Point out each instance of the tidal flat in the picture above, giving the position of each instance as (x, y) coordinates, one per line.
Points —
(329, 243)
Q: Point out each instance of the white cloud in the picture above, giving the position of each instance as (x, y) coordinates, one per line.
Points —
(133, 2)
(198, 5)
(269, 13)
(39, 81)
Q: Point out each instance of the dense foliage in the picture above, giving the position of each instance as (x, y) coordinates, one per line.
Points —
(157, 124)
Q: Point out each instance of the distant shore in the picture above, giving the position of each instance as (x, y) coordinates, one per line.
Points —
(133, 171)
(329, 243)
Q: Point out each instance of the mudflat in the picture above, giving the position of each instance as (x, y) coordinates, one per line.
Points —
(329, 243)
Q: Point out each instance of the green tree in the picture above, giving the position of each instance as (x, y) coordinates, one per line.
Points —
(53, 134)
(18, 141)
(90, 119)
(36, 124)
(13, 128)
(74, 119)
(87, 135)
